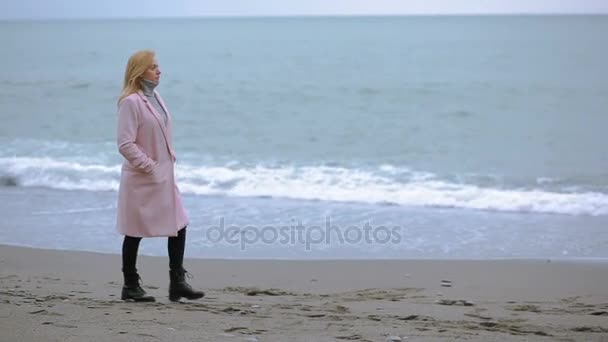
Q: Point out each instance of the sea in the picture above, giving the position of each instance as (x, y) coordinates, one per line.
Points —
(393, 137)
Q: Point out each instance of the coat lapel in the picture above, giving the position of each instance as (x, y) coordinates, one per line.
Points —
(159, 118)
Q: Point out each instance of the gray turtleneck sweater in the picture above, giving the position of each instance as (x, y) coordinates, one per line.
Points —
(148, 90)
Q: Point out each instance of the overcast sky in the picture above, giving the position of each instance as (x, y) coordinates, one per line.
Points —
(17, 9)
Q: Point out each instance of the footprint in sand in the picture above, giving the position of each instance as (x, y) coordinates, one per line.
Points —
(393, 295)
(60, 325)
(445, 283)
(463, 302)
(416, 318)
(253, 291)
(525, 307)
(355, 337)
(590, 329)
(45, 312)
(245, 331)
(476, 315)
(599, 313)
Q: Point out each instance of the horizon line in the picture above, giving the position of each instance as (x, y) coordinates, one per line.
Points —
(305, 16)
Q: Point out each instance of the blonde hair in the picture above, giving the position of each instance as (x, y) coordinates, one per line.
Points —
(138, 63)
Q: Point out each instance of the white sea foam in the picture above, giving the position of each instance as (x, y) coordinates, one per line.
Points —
(386, 184)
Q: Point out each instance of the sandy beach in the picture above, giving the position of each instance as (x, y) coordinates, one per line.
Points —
(50, 295)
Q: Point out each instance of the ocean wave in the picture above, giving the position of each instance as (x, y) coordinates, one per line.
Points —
(386, 184)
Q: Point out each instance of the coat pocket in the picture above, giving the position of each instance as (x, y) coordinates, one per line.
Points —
(137, 177)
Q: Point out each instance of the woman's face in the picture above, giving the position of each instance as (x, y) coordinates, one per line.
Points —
(152, 73)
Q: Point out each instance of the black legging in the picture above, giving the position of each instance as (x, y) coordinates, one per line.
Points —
(175, 246)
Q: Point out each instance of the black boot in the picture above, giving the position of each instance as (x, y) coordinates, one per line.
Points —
(178, 288)
(133, 291)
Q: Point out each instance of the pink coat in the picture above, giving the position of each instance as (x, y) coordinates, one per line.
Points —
(149, 202)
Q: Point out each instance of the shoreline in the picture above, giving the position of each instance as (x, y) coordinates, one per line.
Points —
(575, 260)
(55, 295)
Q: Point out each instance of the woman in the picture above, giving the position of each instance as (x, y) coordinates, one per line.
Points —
(149, 203)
